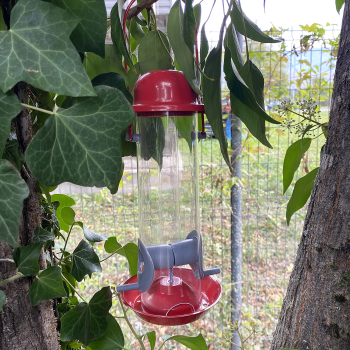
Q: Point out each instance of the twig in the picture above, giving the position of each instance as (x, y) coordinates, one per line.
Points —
(65, 245)
(303, 116)
(134, 11)
(7, 260)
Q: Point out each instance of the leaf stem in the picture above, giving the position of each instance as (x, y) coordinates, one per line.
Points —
(65, 244)
(73, 288)
(17, 276)
(111, 254)
(129, 324)
(306, 118)
(37, 109)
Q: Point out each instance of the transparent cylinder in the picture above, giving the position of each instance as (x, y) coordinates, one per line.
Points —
(167, 160)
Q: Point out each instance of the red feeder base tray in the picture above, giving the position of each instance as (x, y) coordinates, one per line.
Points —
(209, 291)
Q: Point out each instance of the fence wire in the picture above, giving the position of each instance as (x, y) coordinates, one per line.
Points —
(268, 244)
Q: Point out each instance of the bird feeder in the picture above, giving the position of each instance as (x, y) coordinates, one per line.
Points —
(164, 291)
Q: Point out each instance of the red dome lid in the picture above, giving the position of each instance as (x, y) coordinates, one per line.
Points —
(165, 91)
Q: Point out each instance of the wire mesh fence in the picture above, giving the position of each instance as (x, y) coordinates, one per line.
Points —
(296, 69)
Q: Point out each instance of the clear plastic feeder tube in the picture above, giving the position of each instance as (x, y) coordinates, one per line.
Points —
(167, 159)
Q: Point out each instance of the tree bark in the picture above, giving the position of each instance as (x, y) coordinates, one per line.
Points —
(316, 310)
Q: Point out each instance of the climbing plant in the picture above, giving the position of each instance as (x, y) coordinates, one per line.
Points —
(55, 65)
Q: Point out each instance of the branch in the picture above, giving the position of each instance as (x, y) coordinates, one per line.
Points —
(134, 11)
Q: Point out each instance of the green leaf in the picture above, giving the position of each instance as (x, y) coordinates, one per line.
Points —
(292, 160)
(189, 26)
(339, 4)
(68, 215)
(111, 245)
(90, 33)
(113, 339)
(87, 321)
(118, 35)
(64, 201)
(197, 11)
(233, 45)
(251, 29)
(48, 285)
(9, 108)
(13, 191)
(2, 294)
(85, 261)
(212, 99)
(95, 65)
(114, 189)
(204, 48)
(13, 154)
(184, 125)
(130, 251)
(26, 258)
(136, 30)
(246, 94)
(153, 54)
(92, 128)
(183, 54)
(37, 50)
(152, 339)
(92, 236)
(193, 343)
(301, 193)
(42, 236)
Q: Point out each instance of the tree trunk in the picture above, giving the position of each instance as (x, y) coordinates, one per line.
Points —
(316, 310)
(23, 326)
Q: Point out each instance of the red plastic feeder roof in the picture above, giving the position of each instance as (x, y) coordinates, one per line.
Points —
(165, 91)
(173, 309)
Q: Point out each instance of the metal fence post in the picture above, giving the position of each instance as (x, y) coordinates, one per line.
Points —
(236, 227)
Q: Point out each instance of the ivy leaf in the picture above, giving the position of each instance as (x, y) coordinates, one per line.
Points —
(13, 154)
(292, 160)
(2, 294)
(154, 52)
(37, 50)
(114, 189)
(152, 339)
(339, 4)
(212, 98)
(189, 26)
(68, 215)
(48, 285)
(90, 33)
(9, 108)
(13, 191)
(95, 65)
(85, 261)
(92, 236)
(183, 54)
(82, 144)
(193, 343)
(113, 339)
(42, 236)
(204, 47)
(111, 245)
(251, 29)
(87, 321)
(114, 80)
(64, 201)
(118, 35)
(301, 193)
(26, 258)
(130, 251)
